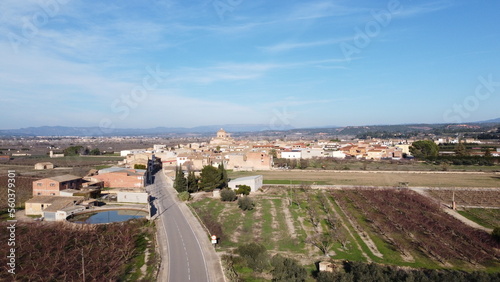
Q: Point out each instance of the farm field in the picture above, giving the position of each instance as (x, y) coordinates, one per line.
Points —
(489, 218)
(67, 161)
(468, 197)
(381, 165)
(395, 227)
(369, 178)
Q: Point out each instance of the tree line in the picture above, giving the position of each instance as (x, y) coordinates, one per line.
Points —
(428, 150)
(210, 178)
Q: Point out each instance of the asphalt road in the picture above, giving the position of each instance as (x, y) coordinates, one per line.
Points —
(183, 257)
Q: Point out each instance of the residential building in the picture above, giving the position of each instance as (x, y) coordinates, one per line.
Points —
(52, 186)
(39, 205)
(291, 154)
(121, 177)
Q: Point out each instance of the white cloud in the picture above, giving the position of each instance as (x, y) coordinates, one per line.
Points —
(286, 46)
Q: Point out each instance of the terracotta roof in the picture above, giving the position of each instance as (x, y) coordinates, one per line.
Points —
(64, 178)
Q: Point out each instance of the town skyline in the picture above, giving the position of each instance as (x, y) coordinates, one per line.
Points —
(320, 63)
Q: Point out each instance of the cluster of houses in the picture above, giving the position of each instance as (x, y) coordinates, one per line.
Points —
(56, 198)
(243, 155)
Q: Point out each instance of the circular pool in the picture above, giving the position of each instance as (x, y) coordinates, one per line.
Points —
(107, 216)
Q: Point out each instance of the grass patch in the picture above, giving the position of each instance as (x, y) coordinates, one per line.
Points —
(294, 182)
(267, 221)
(489, 218)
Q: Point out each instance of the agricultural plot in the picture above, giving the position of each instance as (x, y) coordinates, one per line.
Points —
(468, 198)
(375, 178)
(415, 227)
(385, 226)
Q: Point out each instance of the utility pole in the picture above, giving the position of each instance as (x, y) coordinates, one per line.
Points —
(83, 266)
(453, 204)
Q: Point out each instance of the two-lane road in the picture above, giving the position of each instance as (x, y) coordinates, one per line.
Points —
(186, 259)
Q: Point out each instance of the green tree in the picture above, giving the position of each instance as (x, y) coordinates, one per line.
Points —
(487, 153)
(95, 152)
(273, 153)
(424, 149)
(287, 269)
(223, 180)
(73, 150)
(209, 178)
(227, 195)
(461, 150)
(243, 189)
(180, 182)
(192, 182)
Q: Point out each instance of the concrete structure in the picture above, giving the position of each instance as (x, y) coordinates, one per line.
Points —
(254, 182)
(52, 186)
(310, 153)
(39, 204)
(53, 213)
(326, 266)
(405, 148)
(44, 165)
(52, 155)
(125, 196)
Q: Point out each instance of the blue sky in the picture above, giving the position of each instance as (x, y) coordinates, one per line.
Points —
(140, 64)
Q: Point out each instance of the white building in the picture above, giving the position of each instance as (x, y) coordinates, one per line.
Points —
(310, 153)
(255, 182)
(336, 154)
(124, 153)
(294, 154)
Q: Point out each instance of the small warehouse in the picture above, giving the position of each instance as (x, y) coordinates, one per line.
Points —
(44, 165)
(255, 182)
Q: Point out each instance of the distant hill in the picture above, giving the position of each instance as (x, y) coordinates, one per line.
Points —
(496, 120)
(379, 131)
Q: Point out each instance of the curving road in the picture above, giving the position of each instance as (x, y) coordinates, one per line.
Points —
(185, 249)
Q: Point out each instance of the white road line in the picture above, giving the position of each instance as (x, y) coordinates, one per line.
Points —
(185, 250)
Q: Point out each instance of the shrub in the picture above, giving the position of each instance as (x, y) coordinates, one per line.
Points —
(496, 233)
(227, 195)
(255, 256)
(139, 166)
(243, 189)
(245, 203)
(184, 196)
(287, 269)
